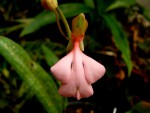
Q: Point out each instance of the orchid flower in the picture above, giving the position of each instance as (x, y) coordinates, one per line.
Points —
(77, 71)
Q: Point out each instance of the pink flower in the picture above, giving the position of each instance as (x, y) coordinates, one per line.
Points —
(77, 72)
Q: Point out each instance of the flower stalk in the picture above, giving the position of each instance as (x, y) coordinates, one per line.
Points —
(52, 5)
(64, 22)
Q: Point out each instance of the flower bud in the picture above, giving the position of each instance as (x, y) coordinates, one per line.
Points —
(79, 25)
(49, 4)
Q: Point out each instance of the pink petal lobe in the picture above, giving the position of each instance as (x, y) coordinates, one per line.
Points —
(86, 91)
(93, 69)
(67, 90)
(62, 69)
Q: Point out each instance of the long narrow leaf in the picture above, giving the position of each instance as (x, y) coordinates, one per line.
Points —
(120, 4)
(33, 74)
(50, 57)
(120, 39)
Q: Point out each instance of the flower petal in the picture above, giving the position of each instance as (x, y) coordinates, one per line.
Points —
(68, 90)
(85, 90)
(62, 69)
(93, 69)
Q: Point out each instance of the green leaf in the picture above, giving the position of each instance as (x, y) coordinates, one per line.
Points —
(32, 74)
(141, 107)
(120, 39)
(24, 88)
(89, 3)
(3, 103)
(101, 5)
(146, 13)
(47, 17)
(50, 56)
(144, 4)
(120, 4)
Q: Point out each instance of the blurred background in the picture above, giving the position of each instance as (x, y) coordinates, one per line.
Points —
(118, 36)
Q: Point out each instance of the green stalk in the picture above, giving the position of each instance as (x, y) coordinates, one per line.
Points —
(64, 22)
(58, 24)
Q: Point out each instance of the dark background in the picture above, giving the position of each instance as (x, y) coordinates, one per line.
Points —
(117, 89)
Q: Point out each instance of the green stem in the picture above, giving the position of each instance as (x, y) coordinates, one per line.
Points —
(58, 24)
(64, 22)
